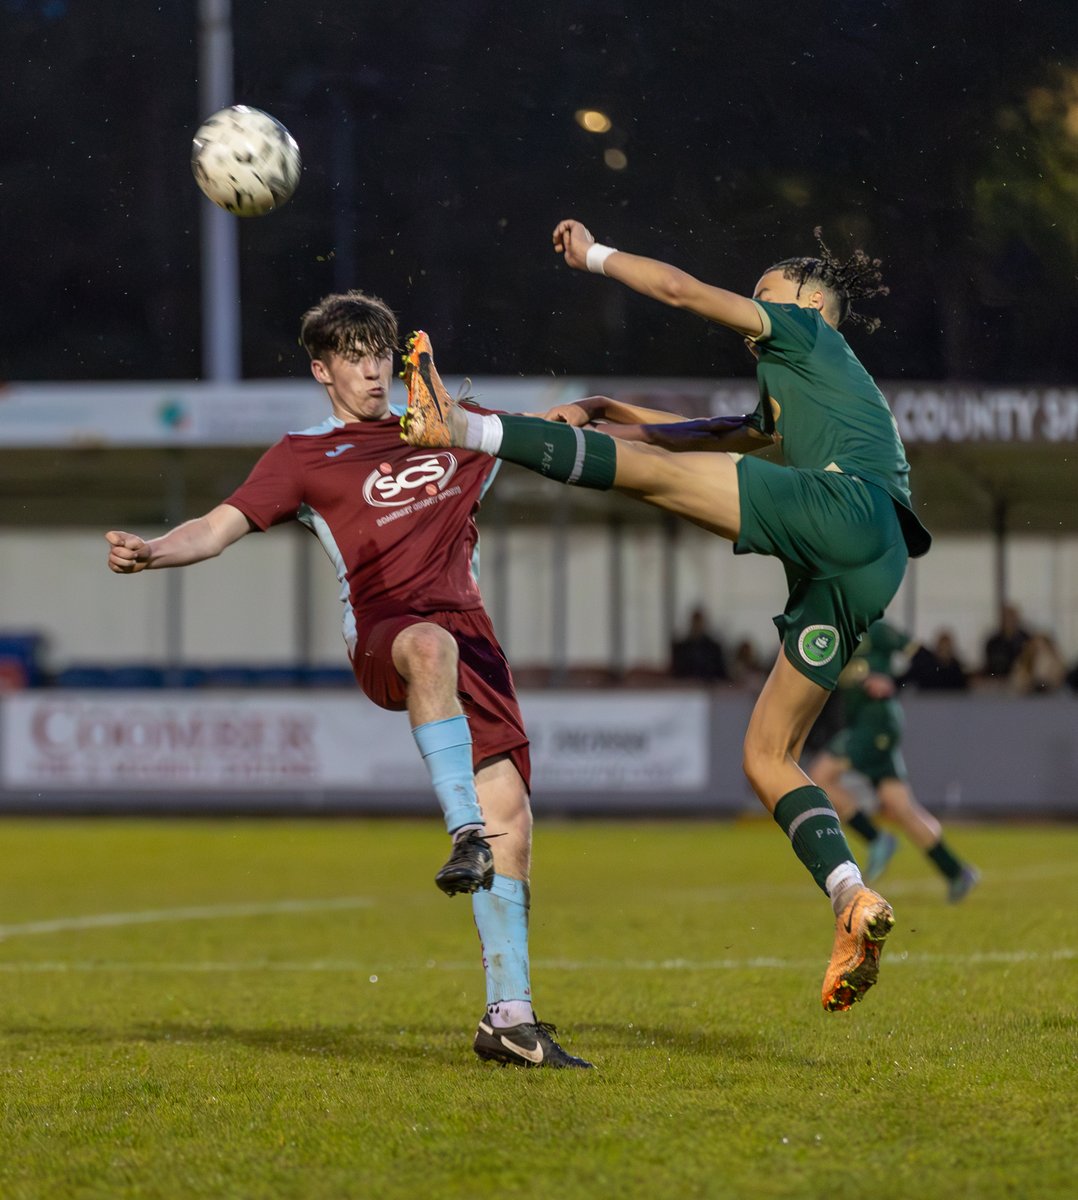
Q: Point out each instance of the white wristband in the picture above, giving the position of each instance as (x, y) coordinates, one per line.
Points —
(596, 256)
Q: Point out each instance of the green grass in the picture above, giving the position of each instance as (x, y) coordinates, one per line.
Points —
(243, 1050)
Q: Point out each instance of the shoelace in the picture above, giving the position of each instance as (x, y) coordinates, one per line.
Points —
(473, 834)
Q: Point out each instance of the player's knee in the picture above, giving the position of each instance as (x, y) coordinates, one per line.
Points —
(425, 651)
(759, 759)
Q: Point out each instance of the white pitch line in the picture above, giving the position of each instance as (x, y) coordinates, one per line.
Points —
(349, 966)
(198, 912)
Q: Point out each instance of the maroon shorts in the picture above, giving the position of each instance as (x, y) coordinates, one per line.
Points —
(484, 681)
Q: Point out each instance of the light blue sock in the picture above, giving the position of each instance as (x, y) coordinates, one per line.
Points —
(446, 747)
(501, 916)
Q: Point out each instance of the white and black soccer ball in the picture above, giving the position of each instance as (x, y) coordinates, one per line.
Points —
(245, 161)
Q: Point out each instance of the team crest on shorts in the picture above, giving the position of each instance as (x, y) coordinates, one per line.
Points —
(818, 644)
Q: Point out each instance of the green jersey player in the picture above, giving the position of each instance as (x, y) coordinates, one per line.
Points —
(870, 743)
(837, 515)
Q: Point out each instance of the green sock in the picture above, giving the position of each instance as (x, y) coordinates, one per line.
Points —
(941, 855)
(560, 452)
(806, 817)
(863, 824)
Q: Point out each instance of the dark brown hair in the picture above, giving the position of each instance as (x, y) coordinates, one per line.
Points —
(351, 324)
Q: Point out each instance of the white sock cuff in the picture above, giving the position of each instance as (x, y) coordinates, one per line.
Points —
(843, 876)
(482, 432)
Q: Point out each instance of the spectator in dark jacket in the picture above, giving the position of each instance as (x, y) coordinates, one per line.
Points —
(938, 668)
(1002, 648)
(699, 654)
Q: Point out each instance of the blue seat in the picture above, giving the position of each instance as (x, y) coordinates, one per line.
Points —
(138, 676)
(327, 677)
(230, 675)
(20, 659)
(84, 677)
(184, 677)
(276, 677)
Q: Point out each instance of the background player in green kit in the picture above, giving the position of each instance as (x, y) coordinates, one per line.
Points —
(837, 516)
(870, 744)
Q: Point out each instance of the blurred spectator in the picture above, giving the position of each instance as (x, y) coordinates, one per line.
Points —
(1003, 647)
(699, 654)
(937, 668)
(1072, 677)
(747, 669)
(1039, 666)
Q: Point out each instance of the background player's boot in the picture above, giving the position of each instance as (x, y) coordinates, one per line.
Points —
(860, 929)
(432, 417)
(470, 867)
(963, 884)
(880, 853)
(528, 1045)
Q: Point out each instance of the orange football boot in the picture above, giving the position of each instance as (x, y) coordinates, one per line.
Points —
(429, 418)
(860, 930)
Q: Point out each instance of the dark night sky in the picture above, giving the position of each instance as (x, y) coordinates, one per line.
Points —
(440, 148)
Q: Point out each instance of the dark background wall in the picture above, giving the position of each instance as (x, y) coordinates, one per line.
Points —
(440, 148)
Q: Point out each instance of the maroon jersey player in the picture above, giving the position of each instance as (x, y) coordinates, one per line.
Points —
(398, 525)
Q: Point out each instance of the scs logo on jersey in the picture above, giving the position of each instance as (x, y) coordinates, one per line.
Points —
(422, 475)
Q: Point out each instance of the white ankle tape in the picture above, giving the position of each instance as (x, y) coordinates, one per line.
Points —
(483, 432)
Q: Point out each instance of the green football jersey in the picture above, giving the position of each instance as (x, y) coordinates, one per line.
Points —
(827, 410)
(874, 655)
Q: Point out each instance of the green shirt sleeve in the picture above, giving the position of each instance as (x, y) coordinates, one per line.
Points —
(789, 330)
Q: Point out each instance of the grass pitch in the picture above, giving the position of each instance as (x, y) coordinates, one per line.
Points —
(285, 1009)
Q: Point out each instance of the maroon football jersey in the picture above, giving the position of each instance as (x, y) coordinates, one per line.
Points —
(397, 521)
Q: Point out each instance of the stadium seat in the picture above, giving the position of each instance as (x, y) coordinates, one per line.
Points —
(137, 676)
(327, 677)
(230, 676)
(20, 660)
(84, 677)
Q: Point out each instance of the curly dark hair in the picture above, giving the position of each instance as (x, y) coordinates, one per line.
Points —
(351, 324)
(858, 278)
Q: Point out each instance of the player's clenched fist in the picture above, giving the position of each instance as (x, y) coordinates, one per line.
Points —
(128, 552)
(572, 239)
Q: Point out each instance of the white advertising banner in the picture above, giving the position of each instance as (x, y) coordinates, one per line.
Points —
(176, 742)
(257, 412)
(655, 742)
(182, 413)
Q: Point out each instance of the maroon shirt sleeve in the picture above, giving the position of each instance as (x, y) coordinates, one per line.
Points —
(273, 491)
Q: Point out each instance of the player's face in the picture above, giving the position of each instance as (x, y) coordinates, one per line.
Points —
(774, 286)
(358, 387)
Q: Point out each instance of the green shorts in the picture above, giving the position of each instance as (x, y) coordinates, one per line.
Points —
(840, 541)
(873, 742)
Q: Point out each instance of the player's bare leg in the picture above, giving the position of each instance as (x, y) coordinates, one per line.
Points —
(784, 713)
(921, 827)
(700, 486)
(426, 656)
(509, 1031)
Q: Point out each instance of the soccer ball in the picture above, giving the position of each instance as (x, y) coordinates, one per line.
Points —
(245, 161)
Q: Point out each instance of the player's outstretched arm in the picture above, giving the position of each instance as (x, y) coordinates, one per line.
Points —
(605, 408)
(658, 280)
(730, 435)
(669, 431)
(193, 541)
